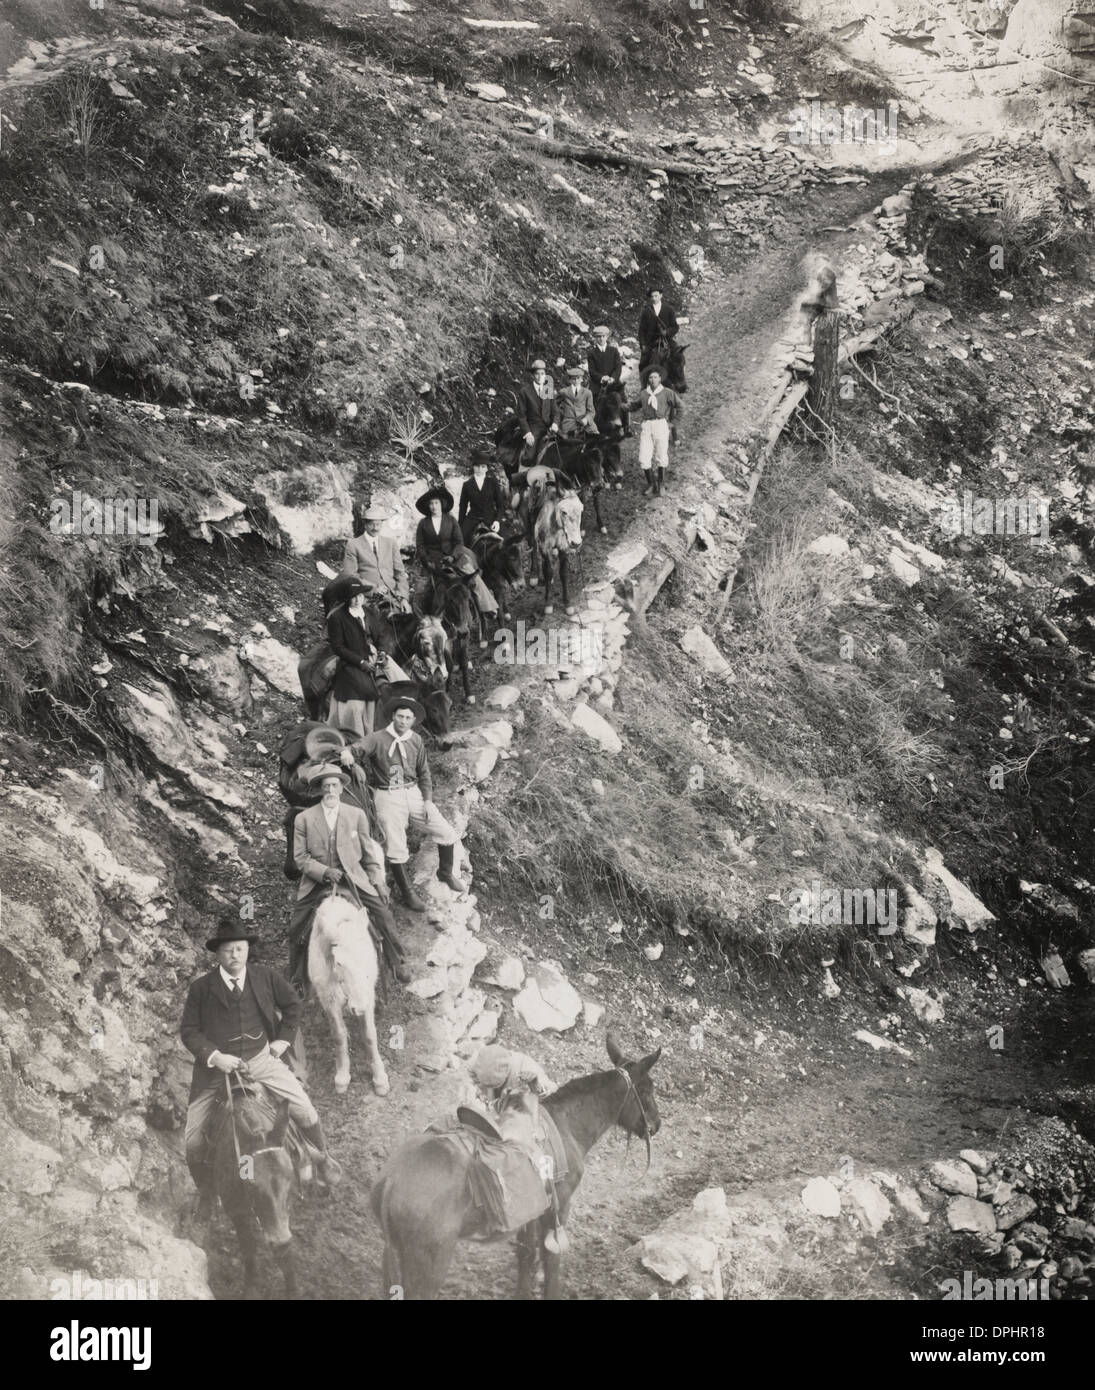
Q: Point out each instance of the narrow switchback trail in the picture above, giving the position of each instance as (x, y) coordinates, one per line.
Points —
(740, 1113)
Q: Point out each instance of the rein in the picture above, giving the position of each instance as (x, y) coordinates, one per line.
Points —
(632, 1090)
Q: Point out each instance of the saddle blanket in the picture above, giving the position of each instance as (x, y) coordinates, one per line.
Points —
(509, 1182)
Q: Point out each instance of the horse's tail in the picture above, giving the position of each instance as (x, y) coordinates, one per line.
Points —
(392, 1268)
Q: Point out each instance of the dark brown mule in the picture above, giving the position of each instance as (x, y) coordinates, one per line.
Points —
(422, 1198)
(253, 1177)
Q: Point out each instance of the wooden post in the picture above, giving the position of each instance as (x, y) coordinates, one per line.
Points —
(820, 306)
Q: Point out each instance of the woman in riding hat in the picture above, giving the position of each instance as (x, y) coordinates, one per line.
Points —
(437, 540)
(353, 634)
(481, 501)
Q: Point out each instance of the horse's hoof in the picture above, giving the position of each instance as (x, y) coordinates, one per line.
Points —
(506, 618)
(381, 1087)
(571, 610)
(483, 646)
(341, 1087)
(549, 608)
(604, 530)
(471, 699)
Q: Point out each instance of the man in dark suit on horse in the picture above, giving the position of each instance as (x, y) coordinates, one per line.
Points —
(535, 408)
(239, 1020)
(605, 363)
(657, 325)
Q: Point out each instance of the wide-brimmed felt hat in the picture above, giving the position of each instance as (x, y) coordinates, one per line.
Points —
(538, 366)
(441, 493)
(602, 330)
(393, 702)
(653, 367)
(325, 743)
(319, 774)
(482, 456)
(356, 585)
(375, 512)
(229, 930)
(576, 371)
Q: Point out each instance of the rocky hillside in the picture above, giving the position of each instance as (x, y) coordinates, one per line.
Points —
(262, 262)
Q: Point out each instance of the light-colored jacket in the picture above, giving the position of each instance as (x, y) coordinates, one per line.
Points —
(359, 856)
(383, 570)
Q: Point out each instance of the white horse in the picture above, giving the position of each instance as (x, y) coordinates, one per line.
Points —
(343, 967)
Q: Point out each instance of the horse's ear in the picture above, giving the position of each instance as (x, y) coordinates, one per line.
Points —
(276, 1137)
(644, 1064)
(615, 1056)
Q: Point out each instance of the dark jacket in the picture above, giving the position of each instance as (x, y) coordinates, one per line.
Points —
(654, 326)
(351, 643)
(533, 412)
(208, 1021)
(477, 505)
(608, 362)
(430, 546)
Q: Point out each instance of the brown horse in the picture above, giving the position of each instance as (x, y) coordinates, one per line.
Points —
(422, 1198)
(253, 1177)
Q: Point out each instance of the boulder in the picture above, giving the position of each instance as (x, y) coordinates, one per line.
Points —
(951, 1176)
(967, 1214)
(966, 909)
(625, 557)
(696, 642)
(597, 727)
(507, 973)
(1015, 1210)
(677, 1255)
(906, 572)
(924, 1006)
(920, 920)
(863, 1200)
(977, 1161)
(548, 999)
(1086, 961)
(275, 662)
(502, 696)
(831, 545)
(821, 1198)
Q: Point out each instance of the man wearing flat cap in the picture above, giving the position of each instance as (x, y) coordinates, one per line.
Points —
(335, 852)
(374, 557)
(535, 406)
(240, 1019)
(574, 406)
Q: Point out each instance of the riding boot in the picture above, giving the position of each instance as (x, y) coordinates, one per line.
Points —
(406, 892)
(648, 486)
(386, 939)
(328, 1169)
(444, 868)
(659, 482)
(298, 961)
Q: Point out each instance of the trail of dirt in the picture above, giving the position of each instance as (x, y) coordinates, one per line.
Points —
(736, 1113)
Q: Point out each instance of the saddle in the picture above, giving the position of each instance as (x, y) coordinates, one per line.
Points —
(220, 1117)
(505, 1177)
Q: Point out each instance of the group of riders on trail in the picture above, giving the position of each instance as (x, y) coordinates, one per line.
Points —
(356, 773)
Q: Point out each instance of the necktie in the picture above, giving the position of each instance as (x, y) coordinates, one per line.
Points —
(235, 990)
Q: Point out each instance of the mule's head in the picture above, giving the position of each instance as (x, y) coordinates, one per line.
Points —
(438, 707)
(270, 1175)
(568, 512)
(639, 1114)
(430, 641)
(507, 564)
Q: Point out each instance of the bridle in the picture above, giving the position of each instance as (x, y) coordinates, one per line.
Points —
(633, 1090)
